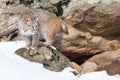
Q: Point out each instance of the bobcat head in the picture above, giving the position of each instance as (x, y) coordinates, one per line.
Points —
(28, 24)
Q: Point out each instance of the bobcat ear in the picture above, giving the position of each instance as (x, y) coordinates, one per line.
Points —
(36, 18)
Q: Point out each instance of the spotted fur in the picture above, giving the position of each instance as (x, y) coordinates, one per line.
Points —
(38, 24)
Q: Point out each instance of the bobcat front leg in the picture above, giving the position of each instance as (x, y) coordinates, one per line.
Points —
(49, 41)
(35, 41)
(28, 41)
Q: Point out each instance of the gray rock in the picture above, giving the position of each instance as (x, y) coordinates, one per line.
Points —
(14, 9)
(51, 59)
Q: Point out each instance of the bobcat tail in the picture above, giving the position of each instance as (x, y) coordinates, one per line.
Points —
(64, 28)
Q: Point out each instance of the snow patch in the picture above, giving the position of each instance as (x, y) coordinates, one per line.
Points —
(14, 67)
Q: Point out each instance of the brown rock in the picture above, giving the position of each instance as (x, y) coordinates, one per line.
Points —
(76, 66)
(111, 45)
(105, 61)
(99, 18)
(8, 24)
(77, 44)
(112, 69)
(54, 1)
(88, 67)
(3, 38)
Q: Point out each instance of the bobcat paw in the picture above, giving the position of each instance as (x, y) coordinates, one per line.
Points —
(32, 51)
(33, 48)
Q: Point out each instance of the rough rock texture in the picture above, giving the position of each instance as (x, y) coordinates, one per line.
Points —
(18, 6)
(51, 59)
(100, 17)
(54, 1)
(11, 6)
(76, 66)
(79, 46)
(111, 45)
(8, 24)
(108, 60)
(112, 69)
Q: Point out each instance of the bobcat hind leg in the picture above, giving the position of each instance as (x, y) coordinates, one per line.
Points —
(49, 41)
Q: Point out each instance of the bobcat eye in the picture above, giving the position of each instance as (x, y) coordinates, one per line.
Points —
(28, 22)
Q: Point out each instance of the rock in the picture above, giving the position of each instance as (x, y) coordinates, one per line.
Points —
(79, 46)
(8, 24)
(111, 45)
(100, 17)
(88, 67)
(13, 9)
(51, 59)
(19, 6)
(112, 69)
(76, 66)
(3, 39)
(45, 4)
(96, 43)
(78, 5)
(105, 61)
(54, 1)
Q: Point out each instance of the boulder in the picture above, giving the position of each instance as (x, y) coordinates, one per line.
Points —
(8, 24)
(51, 59)
(76, 66)
(99, 17)
(108, 60)
(79, 46)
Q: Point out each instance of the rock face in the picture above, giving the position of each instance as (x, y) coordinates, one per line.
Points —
(8, 24)
(100, 17)
(112, 69)
(78, 45)
(51, 59)
(11, 6)
(108, 60)
(18, 6)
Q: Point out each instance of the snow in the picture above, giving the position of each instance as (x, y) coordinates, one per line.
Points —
(14, 67)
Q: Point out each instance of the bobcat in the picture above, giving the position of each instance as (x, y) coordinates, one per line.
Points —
(36, 25)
